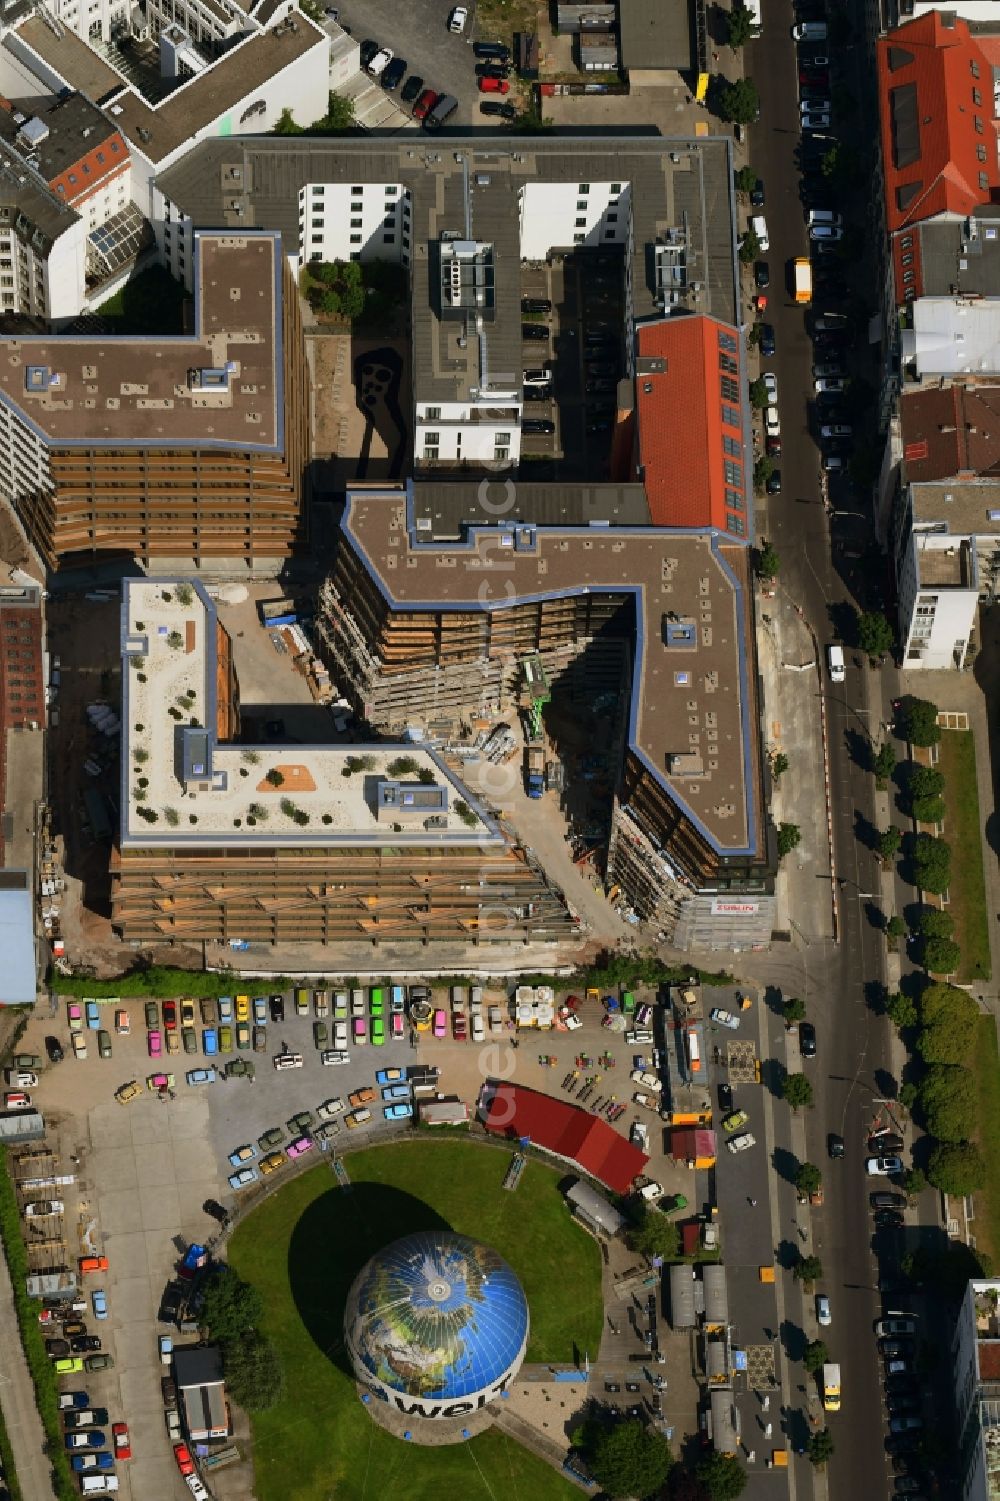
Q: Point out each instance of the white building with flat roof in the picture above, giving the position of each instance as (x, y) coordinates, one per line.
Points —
(975, 1350)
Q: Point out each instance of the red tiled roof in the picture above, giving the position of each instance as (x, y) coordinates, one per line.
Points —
(681, 430)
(567, 1131)
(938, 137)
(950, 432)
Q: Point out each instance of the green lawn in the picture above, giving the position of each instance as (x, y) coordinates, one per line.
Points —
(986, 1065)
(303, 1247)
(963, 830)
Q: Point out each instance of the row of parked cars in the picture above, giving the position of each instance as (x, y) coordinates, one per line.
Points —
(429, 106)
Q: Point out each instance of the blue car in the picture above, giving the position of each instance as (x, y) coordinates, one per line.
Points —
(100, 1302)
(69, 1400)
(93, 1015)
(86, 1438)
(87, 1462)
(396, 1092)
(397, 1112)
(209, 1041)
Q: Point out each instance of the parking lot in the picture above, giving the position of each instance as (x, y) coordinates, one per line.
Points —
(419, 34)
(583, 349)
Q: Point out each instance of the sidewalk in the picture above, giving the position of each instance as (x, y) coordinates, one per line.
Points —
(17, 1398)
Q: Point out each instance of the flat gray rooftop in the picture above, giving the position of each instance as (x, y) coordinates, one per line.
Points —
(443, 511)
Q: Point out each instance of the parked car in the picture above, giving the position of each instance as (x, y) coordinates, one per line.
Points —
(896, 1324)
(883, 1167)
(426, 102)
(458, 18)
(493, 85)
(410, 90)
(505, 110)
(393, 75)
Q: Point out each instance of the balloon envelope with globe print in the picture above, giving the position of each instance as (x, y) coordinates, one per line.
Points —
(436, 1323)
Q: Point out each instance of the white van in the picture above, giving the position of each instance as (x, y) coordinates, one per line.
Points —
(810, 31)
(97, 1485)
(835, 663)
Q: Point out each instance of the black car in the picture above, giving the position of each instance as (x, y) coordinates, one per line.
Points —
(83, 1344)
(767, 340)
(534, 331)
(773, 486)
(890, 1349)
(277, 1008)
(761, 275)
(807, 1039)
(57, 1349)
(493, 70)
(835, 1145)
(368, 50)
(494, 107)
(757, 194)
(535, 305)
(170, 1303)
(491, 49)
(537, 425)
(888, 1219)
(216, 1210)
(896, 1385)
(538, 393)
(903, 1402)
(885, 1141)
(884, 1200)
(725, 1097)
(412, 88)
(599, 425)
(54, 1048)
(772, 445)
(597, 369)
(392, 76)
(900, 1443)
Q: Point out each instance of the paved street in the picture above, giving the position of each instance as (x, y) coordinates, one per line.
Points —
(851, 1068)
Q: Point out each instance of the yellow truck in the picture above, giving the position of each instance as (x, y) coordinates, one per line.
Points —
(803, 277)
(831, 1387)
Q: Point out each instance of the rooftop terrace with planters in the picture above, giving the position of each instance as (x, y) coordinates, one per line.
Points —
(187, 779)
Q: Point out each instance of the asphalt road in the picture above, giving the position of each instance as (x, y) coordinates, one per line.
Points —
(849, 1072)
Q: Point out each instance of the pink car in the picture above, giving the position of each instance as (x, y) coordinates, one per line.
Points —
(359, 1031)
(397, 1026)
(440, 1024)
(301, 1145)
(75, 1016)
(154, 1044)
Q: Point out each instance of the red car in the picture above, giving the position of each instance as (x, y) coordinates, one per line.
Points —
(458, 1026)
(123, 1446)
(170, 1015)
(185, 1463)
(425, 104)
(493, 86)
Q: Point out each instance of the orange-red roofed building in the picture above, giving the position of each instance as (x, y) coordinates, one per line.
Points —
(939, 137)
(691, 449)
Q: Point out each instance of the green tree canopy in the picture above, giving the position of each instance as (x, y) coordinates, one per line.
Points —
(889, 841)
(758, 393)
(874, 633)
(940, 1000)
(739, 101)
(762, 470)
(749, 246)
(901, 1010)
(934, 922)
(723, 1477)
(943, 1042)
(796, 1090)
(789, 836)
(739, 27)
(928, 809)
(808, 1178)
(230, 1306)
(746, 179)
(895, 927)
(808, 1269)
(924, 781)
(653, 1234)
(767, 561)
(794, 1009)
(820, 1447)
(629, 1459)
(956, 1167)
(916, 720)
(931, 863)
(941, 956)
(816, 1355)
(885, 762)
(949, 1106)
(253, 1371)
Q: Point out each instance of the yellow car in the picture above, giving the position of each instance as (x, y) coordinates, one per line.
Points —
(187, 1013)
(127, 1092)
(173, 1041)
(242, 1008)
(271, 1162)
(358, 1118)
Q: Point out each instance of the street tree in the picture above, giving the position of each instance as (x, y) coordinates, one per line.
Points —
(794, 1010)
(931, 863)
(758, 394)
(739, 27)
(945, 1086)
(816, 1355)
(796, 1090)
(901, 1010)
(808, 1178)
(746, 180)
(914, 1182)
(923, 781)
(767, 561)
(808, 1269)
(889, 841)
(956, 1167)
(629, 1459)
(738, 102)
(928, 809)
(723, 1477)
(944, 1042)
(934, 922)
(885, 763)
(874, 633)
(789, 836)
(762, 470)
(895, 928)
(941, 956)
(779, 765)
(940, 1001)
(820, 1447)
(749, 247)
(653, 1234)
(916, 721)
(950, 1118)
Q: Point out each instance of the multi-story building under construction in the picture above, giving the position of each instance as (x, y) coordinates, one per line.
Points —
(323, 844)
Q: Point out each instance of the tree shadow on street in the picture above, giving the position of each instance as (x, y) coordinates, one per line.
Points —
(785, 1164)
(865, 831)
(859, 748)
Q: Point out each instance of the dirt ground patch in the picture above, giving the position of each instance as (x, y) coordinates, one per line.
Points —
(347, 444)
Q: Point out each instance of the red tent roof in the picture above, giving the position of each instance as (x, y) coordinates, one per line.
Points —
(689, 388)
(566, 1130)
